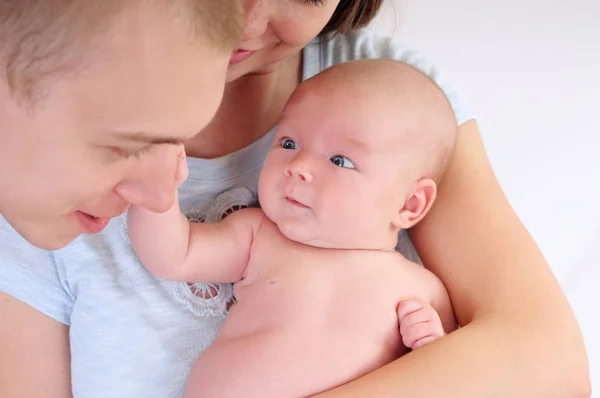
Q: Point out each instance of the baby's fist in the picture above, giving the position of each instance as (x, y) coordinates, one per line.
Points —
(182, 167)
(419, 323)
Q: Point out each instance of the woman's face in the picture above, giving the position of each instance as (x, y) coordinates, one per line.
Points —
(108, 136)
(276, 29)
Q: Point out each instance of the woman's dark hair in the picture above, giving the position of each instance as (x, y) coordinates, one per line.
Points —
(351, 15)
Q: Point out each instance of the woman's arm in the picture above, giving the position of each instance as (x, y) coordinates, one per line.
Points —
(520, 337)
(34, 353)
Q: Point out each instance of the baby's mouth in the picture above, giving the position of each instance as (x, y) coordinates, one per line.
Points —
(295, 202)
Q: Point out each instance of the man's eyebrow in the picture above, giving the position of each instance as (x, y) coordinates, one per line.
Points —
(148, 138)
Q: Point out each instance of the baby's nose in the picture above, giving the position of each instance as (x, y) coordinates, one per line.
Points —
(299, 172)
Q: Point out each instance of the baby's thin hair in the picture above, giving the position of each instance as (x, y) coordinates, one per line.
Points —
(40, 39)
(435, 127)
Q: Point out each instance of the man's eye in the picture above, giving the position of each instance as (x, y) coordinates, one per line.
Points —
(128, 153)
(342, 161)
(288, 144)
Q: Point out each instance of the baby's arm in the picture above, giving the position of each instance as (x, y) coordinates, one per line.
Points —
(171, 247)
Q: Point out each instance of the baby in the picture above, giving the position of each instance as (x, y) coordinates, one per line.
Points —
(322, 296)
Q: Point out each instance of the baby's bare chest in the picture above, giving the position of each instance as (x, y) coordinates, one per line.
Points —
(295, 286)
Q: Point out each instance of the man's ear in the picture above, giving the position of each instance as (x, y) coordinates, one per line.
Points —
(417, 204)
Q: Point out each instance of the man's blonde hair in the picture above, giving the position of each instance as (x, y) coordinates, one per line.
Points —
(44, 38)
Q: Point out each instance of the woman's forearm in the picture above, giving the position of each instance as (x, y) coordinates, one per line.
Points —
(494, 356)
(520, 337)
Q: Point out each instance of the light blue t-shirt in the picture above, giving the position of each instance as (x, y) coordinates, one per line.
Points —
(132, 334)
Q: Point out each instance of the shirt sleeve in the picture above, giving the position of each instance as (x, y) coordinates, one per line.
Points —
(31, 275)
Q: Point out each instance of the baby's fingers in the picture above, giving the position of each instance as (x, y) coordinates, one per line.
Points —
(419, 324)
(182, 167)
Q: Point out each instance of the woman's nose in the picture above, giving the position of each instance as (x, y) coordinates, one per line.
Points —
(256, 18)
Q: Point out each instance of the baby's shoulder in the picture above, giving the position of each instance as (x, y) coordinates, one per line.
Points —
(411, 280)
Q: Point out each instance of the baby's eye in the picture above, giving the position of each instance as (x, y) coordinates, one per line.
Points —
(342, 161)
(288, 144)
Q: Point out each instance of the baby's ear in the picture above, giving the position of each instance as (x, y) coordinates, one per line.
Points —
(417, 204)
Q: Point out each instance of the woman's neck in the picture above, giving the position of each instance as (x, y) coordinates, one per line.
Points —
(251, 107)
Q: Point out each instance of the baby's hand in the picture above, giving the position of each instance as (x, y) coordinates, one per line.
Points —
(182, 168)
(419, 323)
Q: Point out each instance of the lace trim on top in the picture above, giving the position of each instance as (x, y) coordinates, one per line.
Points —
(209, 299)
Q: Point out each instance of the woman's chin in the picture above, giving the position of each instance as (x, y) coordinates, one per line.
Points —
(253, 66)
(235, 74)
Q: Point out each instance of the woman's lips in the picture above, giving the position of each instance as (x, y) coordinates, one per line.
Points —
(240, 55)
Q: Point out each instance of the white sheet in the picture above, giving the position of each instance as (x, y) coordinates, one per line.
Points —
(531, 71)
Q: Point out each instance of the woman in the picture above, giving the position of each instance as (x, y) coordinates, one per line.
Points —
(98, 316)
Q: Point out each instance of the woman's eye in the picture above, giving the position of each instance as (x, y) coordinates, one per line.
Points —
(342, 161)
(288, 144)
(316, 2)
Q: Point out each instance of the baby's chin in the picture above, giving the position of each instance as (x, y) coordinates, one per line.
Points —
(300, 234)
(307, 237)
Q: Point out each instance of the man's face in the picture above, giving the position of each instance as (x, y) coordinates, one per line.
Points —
(106, 137)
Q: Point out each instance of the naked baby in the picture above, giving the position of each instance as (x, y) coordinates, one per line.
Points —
(321, 295)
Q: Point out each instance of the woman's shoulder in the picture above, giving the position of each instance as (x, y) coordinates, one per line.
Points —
(359, 44)
(364, 43)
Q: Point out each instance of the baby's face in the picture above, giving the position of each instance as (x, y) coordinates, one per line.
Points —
(332, 178)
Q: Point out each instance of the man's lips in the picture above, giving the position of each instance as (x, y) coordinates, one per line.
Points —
(240, 55)
(91, 224)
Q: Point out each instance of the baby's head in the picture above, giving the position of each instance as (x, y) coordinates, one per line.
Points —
(357, 155)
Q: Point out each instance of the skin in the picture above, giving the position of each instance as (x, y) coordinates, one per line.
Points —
(103, 164)
(92, 143)
(308, 216)
(500, 284)
(504, 294)
(386, 144)
(515, 318)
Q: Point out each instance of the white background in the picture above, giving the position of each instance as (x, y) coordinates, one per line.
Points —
(530, 70)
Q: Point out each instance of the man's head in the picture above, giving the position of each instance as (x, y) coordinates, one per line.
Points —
(43, 40)
(357, 155)
(93, 95)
